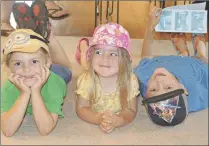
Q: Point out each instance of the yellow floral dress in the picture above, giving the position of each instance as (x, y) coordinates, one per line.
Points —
(110, 101)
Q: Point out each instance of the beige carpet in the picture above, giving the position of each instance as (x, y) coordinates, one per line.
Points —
(73, 131)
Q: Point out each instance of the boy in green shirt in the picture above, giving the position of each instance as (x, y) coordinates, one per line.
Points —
(31, 87)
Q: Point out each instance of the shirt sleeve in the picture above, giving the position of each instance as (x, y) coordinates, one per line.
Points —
(134, 87)
(84, 86)
(53, 93)
(55, 106)
(144, 61)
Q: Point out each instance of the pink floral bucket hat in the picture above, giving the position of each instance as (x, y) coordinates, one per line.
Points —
(111, 34)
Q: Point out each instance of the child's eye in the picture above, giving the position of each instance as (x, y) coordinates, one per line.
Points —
(153, 90)
(169, 87)
(35, 61)
(114, 54)
(17, 64)
(98, 52)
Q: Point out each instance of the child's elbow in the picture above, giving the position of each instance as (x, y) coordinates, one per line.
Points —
(8, 133)
(81, 114)
(130, 117)
(45, 132)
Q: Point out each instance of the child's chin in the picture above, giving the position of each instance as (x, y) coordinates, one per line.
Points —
(29, 82)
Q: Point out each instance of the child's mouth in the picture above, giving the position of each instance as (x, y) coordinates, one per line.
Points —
(159, 74)
(28, 77)
(105, 66)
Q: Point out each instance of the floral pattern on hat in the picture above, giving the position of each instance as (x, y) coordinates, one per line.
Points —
(111, 34)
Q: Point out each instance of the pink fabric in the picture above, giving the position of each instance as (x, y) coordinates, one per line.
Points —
(111, 34)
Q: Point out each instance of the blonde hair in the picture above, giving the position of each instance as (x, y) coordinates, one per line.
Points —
(42, 50)
(124, 77)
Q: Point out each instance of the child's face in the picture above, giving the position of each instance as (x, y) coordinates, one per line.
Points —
(27, 65)
(105, 60)
(161, 82)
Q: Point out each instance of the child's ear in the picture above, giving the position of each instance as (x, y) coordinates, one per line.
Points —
(48, 62)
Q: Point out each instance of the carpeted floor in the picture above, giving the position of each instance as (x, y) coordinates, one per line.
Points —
(73, 131)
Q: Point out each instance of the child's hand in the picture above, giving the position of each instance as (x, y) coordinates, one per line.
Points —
(18, 81)
(107, 123)
(41, 80)
(154, 17)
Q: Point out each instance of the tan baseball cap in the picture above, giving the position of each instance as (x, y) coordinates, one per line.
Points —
(24, 40)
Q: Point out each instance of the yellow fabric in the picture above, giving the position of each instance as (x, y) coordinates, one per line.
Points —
(29, 46)
(104, 101)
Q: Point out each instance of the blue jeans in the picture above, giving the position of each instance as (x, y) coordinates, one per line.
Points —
(62, 71)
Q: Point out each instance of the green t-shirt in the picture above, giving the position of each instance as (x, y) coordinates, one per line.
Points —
(53, 93)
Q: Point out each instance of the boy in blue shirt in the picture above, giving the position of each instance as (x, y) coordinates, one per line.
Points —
(171, 86)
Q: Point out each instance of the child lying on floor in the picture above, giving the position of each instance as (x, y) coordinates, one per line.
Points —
(107, 91)
(31, 87)
(172, 86)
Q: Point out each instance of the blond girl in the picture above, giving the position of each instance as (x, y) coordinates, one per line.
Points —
(107, 90)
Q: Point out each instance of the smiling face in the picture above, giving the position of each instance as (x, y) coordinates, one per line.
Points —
(27, 65)
(105, 61)
(161, 82)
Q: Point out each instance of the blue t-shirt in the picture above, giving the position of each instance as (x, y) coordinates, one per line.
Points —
(191, 72)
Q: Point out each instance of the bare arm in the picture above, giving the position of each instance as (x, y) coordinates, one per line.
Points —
(12, 119)
(84, 111)
(44, 120)
(148, 38)
(109, 121)
(147, 44)
(127, 115)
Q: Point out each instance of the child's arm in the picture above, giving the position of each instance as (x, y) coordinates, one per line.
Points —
(44, 120)
(127, 115)
(109, 120)
(148, 38)
(84, 111)
(12, 119)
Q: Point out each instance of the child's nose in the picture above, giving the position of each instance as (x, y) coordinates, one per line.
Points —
(27, 68)
(159, 84)
(105, 57)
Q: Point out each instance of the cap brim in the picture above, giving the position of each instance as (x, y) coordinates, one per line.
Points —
(31, 46)
(179, 115)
